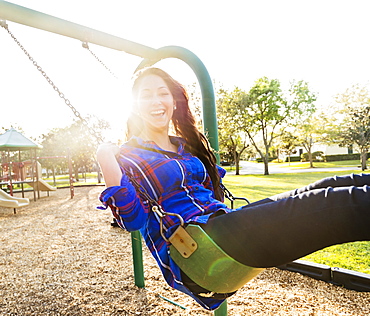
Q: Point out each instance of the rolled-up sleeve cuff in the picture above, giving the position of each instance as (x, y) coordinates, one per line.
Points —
(115, 196)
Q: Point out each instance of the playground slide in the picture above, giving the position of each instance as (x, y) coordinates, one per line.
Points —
(7, 200)
(42, 185)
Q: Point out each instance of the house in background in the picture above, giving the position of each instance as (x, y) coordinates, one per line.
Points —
(324, 148)
(332, 149)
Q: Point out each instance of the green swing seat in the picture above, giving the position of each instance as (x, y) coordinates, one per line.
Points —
(205, 263)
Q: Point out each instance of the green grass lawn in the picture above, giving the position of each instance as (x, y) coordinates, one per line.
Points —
(332, 164)
(352, 256)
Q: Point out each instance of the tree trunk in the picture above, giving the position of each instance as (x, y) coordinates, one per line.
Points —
(237, 166)
(76, 174)
(363, 159)
(236, 160)
(98, 171)
(99, 176)
(54, 179)
(266, 164)
(310, 158)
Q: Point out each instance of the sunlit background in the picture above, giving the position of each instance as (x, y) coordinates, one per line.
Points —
(322, 42)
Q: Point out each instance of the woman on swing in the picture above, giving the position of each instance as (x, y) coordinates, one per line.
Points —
(181, 174)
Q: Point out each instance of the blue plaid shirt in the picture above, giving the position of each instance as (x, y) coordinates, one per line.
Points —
(179, 183)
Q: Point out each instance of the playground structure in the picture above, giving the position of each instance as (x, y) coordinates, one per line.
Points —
(6, 200)
(41, 184)
(15, 171)
(22, 172)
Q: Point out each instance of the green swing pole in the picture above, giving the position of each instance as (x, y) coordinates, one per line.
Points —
(137, 254)
(222, 310)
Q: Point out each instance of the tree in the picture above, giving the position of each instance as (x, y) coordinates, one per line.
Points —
(354, 127)
(288, 144)
(269, 112)
(77, 141)
(231, 122)
(313, 129)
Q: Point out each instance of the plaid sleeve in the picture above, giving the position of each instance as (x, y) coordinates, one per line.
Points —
(221, 171)
(128, 209)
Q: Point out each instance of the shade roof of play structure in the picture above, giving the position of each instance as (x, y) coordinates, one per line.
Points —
(13, 140)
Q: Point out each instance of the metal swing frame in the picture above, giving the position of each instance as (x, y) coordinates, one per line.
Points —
(32, 18)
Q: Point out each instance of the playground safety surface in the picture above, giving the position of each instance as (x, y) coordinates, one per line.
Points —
(60, 256)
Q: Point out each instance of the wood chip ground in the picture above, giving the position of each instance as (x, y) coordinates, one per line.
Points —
(60, 256)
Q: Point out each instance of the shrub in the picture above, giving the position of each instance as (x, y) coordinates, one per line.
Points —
(316, 156)
(270, 159)
(293, 159)
(277, 160)
(341, 157)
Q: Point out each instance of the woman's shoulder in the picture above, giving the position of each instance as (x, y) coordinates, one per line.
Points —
(132, 142)
(135, 143)
(138, 147)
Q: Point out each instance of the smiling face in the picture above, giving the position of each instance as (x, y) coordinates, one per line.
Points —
(154, 104)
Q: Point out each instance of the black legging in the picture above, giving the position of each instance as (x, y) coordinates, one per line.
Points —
(291, 225)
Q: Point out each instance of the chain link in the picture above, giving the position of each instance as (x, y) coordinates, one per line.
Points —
(231, 197)
(156, 207)
(61, 95)
(86, 45)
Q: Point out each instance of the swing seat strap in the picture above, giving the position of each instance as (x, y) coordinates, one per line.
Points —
(209, 266)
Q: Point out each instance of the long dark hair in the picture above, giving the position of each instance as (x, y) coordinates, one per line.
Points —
(184, 125)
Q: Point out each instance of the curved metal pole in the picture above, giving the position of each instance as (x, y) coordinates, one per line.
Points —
(205, 82)
(42, 21)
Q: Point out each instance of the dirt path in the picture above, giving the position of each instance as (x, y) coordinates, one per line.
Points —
(60, 256)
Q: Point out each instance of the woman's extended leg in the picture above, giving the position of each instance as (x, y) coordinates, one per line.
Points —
(283, 229)
(357, 180)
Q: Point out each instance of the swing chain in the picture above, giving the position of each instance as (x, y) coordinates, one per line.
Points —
(86, 45)
(61, 95)
(231, 197)
(155, 206)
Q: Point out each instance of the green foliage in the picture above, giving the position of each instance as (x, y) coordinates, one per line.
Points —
(233, 139)
(270, 111)
(288, 143)
(313, 129)
(341, 157)
(293, 159)
(354, 127)
(321, 164)
(316, 156)
(269, 159)
(74, 140)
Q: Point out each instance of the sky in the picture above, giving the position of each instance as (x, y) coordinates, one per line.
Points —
(322, 42)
